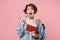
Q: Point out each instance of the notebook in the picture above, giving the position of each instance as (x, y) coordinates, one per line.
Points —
(30, 28)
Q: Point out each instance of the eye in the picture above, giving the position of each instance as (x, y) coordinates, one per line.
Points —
(28, 9)
(32, 9)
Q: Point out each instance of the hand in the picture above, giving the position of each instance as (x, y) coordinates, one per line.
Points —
(22, 23)
(39, 21)
(32, 33)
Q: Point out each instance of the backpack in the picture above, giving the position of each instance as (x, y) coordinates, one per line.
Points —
(42, 38)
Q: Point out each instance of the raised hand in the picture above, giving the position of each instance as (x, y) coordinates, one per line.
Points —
(22, 23)
(39, 21)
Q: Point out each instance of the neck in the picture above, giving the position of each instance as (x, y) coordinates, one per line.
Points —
(31, 18)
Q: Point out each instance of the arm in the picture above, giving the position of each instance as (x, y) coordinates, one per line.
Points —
(18, 28)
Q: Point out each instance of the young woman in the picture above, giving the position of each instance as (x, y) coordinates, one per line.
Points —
(30, 10)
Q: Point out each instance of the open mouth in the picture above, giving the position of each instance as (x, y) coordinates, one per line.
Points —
(30, 13)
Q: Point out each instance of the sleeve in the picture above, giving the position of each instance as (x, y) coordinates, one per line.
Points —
(40, 31)
(19, 32)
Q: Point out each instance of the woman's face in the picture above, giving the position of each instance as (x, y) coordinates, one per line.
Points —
(30, 11)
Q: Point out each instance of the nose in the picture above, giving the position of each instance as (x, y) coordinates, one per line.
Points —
(30, 10)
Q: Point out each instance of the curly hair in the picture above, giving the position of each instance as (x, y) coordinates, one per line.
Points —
(33, 6)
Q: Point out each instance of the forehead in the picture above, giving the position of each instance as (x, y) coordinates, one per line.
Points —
(30, 7)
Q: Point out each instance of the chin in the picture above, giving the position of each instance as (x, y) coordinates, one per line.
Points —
(30, 16)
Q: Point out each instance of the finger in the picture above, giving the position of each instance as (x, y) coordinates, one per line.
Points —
(21, 19)
(39, 21)
(33, 32)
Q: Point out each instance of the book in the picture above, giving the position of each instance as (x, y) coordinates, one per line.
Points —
(30, 28)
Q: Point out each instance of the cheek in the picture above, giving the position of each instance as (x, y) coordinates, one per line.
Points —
(27, 11)
(33, 11)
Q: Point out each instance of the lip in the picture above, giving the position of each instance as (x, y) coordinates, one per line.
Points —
(30, 13)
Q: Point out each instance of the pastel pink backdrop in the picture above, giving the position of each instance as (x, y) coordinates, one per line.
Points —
(11, 10)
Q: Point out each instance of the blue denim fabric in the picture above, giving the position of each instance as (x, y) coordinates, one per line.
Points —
(24, 35)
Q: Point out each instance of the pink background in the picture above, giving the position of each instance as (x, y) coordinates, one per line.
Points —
(11, 10)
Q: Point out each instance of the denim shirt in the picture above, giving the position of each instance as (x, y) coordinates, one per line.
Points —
(24, 35)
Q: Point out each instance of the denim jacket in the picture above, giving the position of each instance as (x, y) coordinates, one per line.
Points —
(24, 35)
